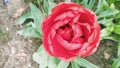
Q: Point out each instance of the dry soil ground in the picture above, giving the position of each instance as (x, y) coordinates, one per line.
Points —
(15, 51)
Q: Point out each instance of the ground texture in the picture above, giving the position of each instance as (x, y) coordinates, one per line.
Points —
(15, 51)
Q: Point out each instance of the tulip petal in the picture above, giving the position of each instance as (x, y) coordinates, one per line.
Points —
(66, 44)
(61, 52)
(65, 5)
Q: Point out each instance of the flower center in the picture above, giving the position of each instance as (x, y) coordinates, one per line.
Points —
(66, 32)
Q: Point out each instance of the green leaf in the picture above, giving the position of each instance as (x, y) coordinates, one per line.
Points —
(39, 1)
(117, 15)
(119, 48)
(112, 6)
(117, 4)
(40, 60)
(111, 1)
(88, 3)
(114, 37)
(29, 31)
(22, 19)
(53, 62)
(31, 24)
(117, 29)
(26, 32)
(105, 32)
(63, 64)
(76, 1)
(37, 17)
(108, 13)
(51, 5)
(46, 6)
(33, 28)
(102, 6)
(41, 57)
(75, 65)
(36, 34)
(116, 63)
(84, 63)
(104, 20)
(109, 25)
(46, 61)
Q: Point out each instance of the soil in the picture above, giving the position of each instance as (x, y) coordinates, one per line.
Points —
(105, 54)
(16, 51)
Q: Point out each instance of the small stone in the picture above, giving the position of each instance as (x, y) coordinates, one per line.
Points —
(106, 55)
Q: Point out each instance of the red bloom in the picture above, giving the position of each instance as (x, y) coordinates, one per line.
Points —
(70, 31)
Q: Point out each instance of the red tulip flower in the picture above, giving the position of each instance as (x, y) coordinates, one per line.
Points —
(70, 31)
